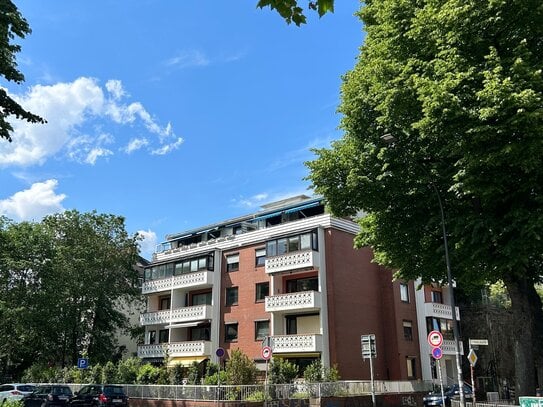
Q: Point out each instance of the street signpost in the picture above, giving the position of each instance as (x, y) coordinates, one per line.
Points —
(266, 354)
(220, 354)
(472, 357)
(369, 351)
(82, 363)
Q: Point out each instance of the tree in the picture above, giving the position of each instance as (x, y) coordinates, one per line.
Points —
(282, 371)
(292, 13)
(240, 369)
(457, 87)
(12, 24)
(94, 258)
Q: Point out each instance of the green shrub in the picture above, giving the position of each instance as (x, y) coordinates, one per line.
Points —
(177, 374)
(148, 374)
(109, 373)
(300, 395)
(240, 369)
(127, 370)
(282, 371)
(96, 373)
(213, 379)
(255, 396)
(13, 403)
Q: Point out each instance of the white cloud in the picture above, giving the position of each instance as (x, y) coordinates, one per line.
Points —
(135, 144)
(168, 148)
(253, 201)
(115, 87)
(33, 203)
(74, 111)
(94, 153)
(188, 58)
(148, 244)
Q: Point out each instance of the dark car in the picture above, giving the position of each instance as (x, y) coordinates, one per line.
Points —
(450, 392)
(49, 395)
(101, 395)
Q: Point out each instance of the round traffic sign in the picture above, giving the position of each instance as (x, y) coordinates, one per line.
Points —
(435, 339)
(437, 353)
(266, 353)
(219, 352)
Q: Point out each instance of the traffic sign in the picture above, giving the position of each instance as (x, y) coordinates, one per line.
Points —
(369, 349)
(435, 339)
(219, 352)
(266, 353)
(82, 363)
(478, 342)
(437, 353)
(472, 357)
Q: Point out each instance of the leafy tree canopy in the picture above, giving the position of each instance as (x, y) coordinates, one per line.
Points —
(293, 13)
(12, 24)
(456, 88)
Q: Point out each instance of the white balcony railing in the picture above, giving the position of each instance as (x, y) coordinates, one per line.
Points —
(189, 280)
(175, 349)
(449, 348)
(292, 261)
(297, 343)
(306, 300)
(436, 310)
(178, 315)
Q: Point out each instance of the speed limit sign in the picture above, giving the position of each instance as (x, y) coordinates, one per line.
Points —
(266, 353)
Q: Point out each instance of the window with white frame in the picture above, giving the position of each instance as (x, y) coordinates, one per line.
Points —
(232, 262)
(404, 292)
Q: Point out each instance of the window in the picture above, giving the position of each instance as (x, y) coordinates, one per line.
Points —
(152, 337)
(437, 297)
(201, 333)
(442, 325)
(260, 257)
(231, 332)
(278, 247)
(201, 299)
(231, 296)
(163, 336)
(232, 263)
(262, 290)
(408, 330)
(303, 284)
(404, 292)
(262, 329)
(164, 303)
(411, 364)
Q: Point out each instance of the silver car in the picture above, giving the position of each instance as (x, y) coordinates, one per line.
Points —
(14, 391)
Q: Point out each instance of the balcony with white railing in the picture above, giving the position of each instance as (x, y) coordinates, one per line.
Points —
(199, 279)
(175, 349)
(437, 310)
(292, 261)
(305, 300)
(175, 316)
(448, 347)
(297, 343)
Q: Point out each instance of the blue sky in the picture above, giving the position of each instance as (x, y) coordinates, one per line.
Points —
(173, 114)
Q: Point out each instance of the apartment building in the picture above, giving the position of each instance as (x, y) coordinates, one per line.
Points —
(286, 276)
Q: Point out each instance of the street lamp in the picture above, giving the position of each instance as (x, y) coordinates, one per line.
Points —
(389, 139)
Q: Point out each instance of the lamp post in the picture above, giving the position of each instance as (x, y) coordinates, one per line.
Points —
(389, 139)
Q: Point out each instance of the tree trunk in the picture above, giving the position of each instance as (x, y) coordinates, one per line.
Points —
(526, 310)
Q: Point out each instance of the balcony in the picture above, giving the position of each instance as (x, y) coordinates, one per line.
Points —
(292, 261)
(175, 316)
(436, 310)
(200, 279)
(305, 300)
(297, 343)
(175, 349)
(448, 347)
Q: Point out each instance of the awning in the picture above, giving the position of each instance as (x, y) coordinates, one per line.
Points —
(299, 208)
(188, 324)
(186, 360)
(268, 215)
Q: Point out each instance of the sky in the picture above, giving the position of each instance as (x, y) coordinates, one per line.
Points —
(172, 114)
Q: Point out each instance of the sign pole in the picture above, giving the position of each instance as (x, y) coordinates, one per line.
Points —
(372, 383)
(472, 380)
(440, 382)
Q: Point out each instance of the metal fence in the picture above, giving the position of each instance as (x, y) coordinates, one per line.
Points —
(496, 403)
(269, 392)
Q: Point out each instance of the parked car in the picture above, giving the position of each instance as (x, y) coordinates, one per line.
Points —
(14, 391)
(49, 395)
(450, 392)
(100, 395)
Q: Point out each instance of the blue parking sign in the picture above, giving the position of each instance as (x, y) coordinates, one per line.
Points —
(82, 363)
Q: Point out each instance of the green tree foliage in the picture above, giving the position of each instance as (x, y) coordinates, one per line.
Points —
(316, 372)
(293, 13)
(282, 371)
(109, 373)
(12, 24)
(457, 86)
(240, 369)
(148, 374)
(62, 286)
(127, 370)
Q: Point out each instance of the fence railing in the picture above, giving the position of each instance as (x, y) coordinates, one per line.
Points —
(269, 392)
(496, 403)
